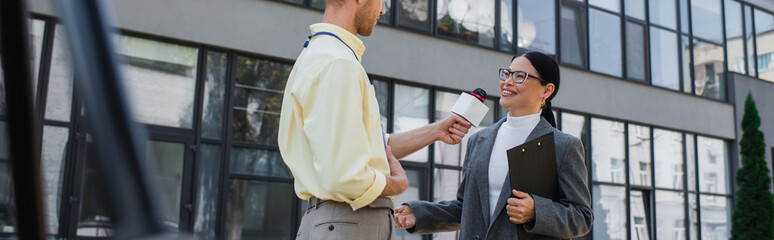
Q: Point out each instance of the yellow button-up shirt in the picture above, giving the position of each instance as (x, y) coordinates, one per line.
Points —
(329, 131)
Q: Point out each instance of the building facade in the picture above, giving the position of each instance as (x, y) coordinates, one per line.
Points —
(654, 88)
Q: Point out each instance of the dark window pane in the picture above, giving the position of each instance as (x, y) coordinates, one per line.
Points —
(53, 154)
(709, 78)
(95, 220)
(639, 155)
(537, 26)
(319, 4)
(257, 99)
(258, 162)
(640, 215)
(663, 13)
(670, 215)
(713, 165)
(506, 25)
(715, 217)
(160, 78)
(573, 33)
(414, 14)
(169, 163)
(60, 83)
(2, 90)
(294, 1)
(735, 37)
(467, 20)
(706, 19)
(36, 30)
(685, 48)
(635, 9)
(749, 35)
(214, 95)
(612, 5)
(636, 63)
(605, 39)
(387, 17)
(609, 152)
(764, 32)
(259, 210)
(415, 190)
(664, 61)
(668, 158)
(7, 206)
(411, 112)
(382, 90)
(207, 191)
(609, 212)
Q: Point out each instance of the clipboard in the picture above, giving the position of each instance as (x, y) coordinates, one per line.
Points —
(532, 168)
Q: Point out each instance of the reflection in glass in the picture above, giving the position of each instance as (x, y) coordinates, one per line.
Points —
(258, 162)
(668, 158)
(387, 17)
(685, 47)
(94, 218)
(749, 38)
(575, 125)
(764, 36)
(684, 17)
(257, 99)
(670, 215)
(53, 154)
(663, 13)
(612, 5)
(713, 165)
(693, 216)
(690, 159)
(639, 155)
(382, 90)
(36, 30)
(445, 184)
(639, 222)
(605, 40)
(734, 37)
(709, 80)
(609, 212)
(160, 78)
(609, 152)
(706, 19)
(7, 209)
(636, 63)
(663, 58)
(506, 25)
(207, 191)
(635, 9)
(414, 14)
(715, 217)
(259, 210)
(537, 26)
(573, 33)
(169, 163)
(468, 20)
(414, 191)
(214, 95)
(411, 111)
(60, 83)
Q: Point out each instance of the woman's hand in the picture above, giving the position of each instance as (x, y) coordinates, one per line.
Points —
(404, 217)
(520, 209)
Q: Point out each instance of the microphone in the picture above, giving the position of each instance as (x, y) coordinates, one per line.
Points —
(471, 106)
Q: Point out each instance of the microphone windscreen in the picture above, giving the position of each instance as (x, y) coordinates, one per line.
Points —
(480, 92)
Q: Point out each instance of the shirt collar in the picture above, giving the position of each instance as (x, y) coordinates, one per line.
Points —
(350, 39)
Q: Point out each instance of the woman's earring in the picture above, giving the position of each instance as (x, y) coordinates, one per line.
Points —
(543, 103)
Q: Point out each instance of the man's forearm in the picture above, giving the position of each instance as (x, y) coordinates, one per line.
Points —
(395, 185)
(406, 143)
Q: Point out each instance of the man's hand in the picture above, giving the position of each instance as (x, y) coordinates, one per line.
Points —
(397, 182)
(404, 217)
(452, 129)
(521, 209)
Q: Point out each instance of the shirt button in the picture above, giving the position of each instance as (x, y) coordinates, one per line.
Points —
(330, 227)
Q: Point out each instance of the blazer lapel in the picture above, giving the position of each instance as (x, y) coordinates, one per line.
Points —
(483, 153)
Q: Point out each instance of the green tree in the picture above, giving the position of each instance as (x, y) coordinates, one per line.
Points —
(754, 213)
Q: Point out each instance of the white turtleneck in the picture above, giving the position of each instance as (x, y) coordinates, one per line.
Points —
(513, 132)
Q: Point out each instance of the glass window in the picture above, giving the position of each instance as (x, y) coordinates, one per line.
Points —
(573, 33)
(294, 1)
(636, 61)
(684, 17)
(414, 191)
(690, 159)
(94, 220)
(609, 212)
(214, 95)
(60, 83)
(414, 14)
(709, 80)
(411, 112)
(668, 158)
(468, 20)
(663, 13)
(734, 37)
(635, 9)
(160, 78)
(454, 155)
(639, 155)
(609, 152)
(715, 217)
(258, 162)
(575, 125)
(319, 4)
(640, 215)
(605, 39)
(670, 215)
(506, 25)
(537, 26)
(382, 90)
(445, 184)
(37, 29)
(706, 19)
(259, 210)
(257, 99)
(53, 154)
(169, 163)
(7, 208)
(685, 47)
(387, 17)
(713, 165)
(749, 38)
(664, 70)
(612, 5)
(207, 191)
(693, 216)
(764, 29)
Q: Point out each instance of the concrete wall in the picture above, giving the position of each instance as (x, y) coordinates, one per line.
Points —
(764, 99)
(278, 30)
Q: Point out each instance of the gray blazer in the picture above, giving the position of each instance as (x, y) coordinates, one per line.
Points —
(570, 217)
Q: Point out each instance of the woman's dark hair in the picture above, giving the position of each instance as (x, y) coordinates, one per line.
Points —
(548, 70)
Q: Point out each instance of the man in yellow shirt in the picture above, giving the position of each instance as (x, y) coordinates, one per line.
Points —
(331, 138)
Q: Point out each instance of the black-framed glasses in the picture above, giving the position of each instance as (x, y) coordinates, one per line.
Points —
(517, 76)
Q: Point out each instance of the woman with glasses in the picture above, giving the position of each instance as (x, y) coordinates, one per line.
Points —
(486, 207)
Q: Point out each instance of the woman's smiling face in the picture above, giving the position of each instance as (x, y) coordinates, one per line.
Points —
(525, 98)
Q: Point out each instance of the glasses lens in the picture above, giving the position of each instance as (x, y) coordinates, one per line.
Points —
(503, 75)
(520, 77)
